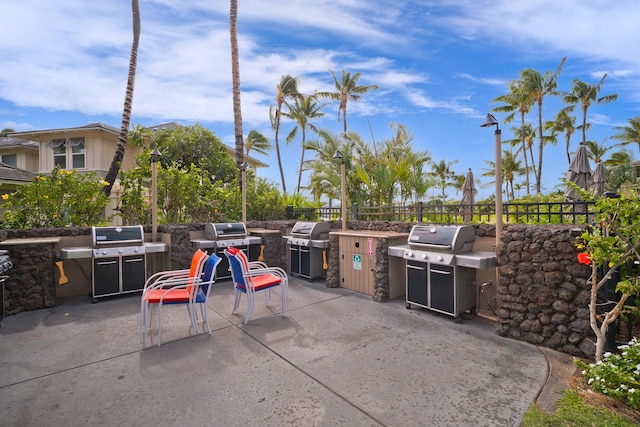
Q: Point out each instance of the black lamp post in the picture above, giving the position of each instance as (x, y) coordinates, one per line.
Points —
(243, 169)
(155, 158)
(491, 121)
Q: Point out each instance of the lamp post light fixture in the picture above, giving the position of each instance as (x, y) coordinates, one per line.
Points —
(343, 188)
(243, 168)
(155, 158)
(491, 121)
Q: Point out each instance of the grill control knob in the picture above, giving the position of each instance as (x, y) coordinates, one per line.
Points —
(439, 258)
(104, 252)
(120, 251)
(409, 254)
(424, 256)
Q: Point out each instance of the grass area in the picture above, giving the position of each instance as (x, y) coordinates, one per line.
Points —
(576, 409)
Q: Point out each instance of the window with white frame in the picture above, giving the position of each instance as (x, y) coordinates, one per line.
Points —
(68, 152)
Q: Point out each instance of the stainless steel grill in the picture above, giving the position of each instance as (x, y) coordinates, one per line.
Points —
(119, 259)
(441, 268)
(222, 235)
(308, 244)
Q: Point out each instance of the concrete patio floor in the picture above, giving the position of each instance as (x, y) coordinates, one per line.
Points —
(337, 359)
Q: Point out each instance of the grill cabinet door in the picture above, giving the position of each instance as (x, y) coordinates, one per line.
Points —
(305, 261)
(133, 273)
(417, 283)
(106, 276)
(294, 252)
(442, 288)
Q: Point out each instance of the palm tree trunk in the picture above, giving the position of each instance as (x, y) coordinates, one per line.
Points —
(235, 76)
(284, 185)
(123, 136)
(301, 162)
(524, 153)
(540, 149)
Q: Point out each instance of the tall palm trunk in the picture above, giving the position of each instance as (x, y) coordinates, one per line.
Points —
(301, 161)
(540, 149)
(235, 76)
(278, 110)
(524, 154)
(123, 136)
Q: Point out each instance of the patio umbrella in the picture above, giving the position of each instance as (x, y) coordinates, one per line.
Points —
(579, 173)
(468, 191)
(598, 177)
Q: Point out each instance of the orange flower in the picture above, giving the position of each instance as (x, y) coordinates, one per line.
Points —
(584, 258)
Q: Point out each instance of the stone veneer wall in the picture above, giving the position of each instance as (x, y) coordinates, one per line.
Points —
(543, 295)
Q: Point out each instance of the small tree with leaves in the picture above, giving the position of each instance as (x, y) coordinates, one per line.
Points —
(608, 248)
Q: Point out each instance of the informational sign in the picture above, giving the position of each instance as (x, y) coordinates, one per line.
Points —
(357, 262)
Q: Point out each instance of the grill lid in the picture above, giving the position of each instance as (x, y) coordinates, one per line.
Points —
(451, 238)
(225, 230)
(132, 234)
(311, 230)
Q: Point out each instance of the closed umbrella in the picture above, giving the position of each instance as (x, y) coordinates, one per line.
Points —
(468, 191)
(579, 173)
(598, 177)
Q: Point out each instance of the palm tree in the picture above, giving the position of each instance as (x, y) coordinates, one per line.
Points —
(257, 142)
(235, 83)
(347, 89)
(123, 136)
(538, 86)
(629, 134)
(6, 131)
(518, 101)
(596, 151)
(287, 88)
(442, 171)
(325, 171)
(586, 94)
(566, 124)
(301, 112)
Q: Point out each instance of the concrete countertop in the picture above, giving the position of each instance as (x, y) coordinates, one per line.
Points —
(370, 233)
(30, 241)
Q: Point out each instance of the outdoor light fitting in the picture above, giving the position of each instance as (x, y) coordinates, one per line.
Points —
(155, 156)
(338, 155)
(244, 165)
(490, 121)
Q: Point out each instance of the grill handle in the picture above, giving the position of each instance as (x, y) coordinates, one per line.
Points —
(432, 246)
(415, 267)
(440, 271)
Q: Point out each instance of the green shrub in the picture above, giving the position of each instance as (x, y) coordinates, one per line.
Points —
(65, 198)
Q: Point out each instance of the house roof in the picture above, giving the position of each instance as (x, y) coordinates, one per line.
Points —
(10, 142)
(12, 173)
(93, 126)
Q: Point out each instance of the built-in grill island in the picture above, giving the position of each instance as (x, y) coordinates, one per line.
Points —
(441, 268)
(308, 246)
(119, 259)
(222, 235)
(5, 265)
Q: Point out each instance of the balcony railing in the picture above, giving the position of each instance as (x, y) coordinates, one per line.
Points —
(513, 213)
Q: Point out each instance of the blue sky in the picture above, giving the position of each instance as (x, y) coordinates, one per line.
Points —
(439, 64)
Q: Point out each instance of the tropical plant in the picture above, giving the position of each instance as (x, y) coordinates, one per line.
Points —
(123, 136)
(518, 101)
(585, 94)
(616, 375)
(257, 142)
(606, 251)
(564, 123)
(347, 89)
(6, 131)
(304, 109)
(444, 174)
(629, 134)
(538, 86)
(286, 89)
(63, 199)
(235, 83)
(596, 151)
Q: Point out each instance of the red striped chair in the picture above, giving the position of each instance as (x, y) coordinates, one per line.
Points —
(251, 277)
(188, 287)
